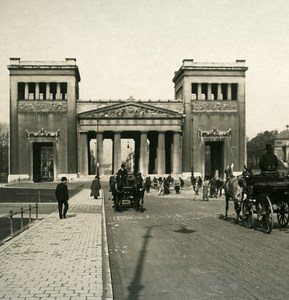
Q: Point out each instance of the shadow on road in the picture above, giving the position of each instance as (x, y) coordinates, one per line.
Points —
(135, 287)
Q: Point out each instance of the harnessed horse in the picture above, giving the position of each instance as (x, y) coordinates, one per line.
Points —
(234, 189)
(138, 192)
(117, 190)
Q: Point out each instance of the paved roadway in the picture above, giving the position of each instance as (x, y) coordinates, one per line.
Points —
(180, 248)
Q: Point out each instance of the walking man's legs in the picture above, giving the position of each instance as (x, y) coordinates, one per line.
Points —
(66, 206)
(60, 209)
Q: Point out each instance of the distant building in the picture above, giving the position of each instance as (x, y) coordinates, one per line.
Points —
(202, 129)
(280, 144)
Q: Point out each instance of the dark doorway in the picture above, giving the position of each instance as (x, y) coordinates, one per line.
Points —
(43, 161)
(214, 159)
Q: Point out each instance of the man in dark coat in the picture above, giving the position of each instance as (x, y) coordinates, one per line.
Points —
(62, 197)
(95, 187)
(269, 161)
(122, 171)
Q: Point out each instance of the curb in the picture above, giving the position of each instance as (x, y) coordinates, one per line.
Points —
(107, 284)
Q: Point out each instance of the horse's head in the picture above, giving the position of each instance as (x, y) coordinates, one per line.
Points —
(247, 173)
(138, 181)
(119, 183)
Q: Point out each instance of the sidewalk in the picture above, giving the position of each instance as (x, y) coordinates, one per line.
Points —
(59, 259)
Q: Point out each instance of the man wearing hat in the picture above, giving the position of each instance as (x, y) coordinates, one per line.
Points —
(122, 171)
(269, 161)
(95, 187)
(62, 197)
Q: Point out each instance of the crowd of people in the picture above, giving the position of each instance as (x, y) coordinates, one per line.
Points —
(212, 188)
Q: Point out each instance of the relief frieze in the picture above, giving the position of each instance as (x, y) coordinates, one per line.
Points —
(215, 106)
(42, 106)
(127, 111)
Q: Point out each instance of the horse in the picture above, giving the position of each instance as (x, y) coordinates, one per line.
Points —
(235, 188)
(138, 190)
(220, 186)
(117, 189)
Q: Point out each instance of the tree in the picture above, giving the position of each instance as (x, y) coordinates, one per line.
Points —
(4, 132)
(259, 141)
(4, 138)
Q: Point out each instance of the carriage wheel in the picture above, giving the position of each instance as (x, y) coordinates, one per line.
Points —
(283, 213)
(248, 216)
(267, 213)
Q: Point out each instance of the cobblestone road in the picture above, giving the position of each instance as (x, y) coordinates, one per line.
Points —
(180, 248)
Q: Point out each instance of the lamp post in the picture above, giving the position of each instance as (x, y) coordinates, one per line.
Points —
(97, 168)
(97, 147)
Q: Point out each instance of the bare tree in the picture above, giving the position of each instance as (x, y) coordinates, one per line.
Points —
(4, 133)
(4, 136)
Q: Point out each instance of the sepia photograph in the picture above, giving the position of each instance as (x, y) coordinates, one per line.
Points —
(144, 149)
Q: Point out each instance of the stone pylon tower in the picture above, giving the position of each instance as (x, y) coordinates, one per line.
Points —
(214, 132)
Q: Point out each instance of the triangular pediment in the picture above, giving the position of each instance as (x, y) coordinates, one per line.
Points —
(130, 110)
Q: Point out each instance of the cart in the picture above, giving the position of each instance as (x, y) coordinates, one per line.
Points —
(264, 196)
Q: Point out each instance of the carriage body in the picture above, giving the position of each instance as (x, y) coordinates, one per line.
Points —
(276, 188)
(132, 190)
(266, 194)
(128, 188)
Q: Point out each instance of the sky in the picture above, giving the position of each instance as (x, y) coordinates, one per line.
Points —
(129, 48)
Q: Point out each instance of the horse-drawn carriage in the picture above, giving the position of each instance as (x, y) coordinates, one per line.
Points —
(129, 188)
(261, 195)
(266, 194)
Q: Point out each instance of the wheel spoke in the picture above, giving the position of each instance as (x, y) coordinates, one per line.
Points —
(283, 214)
(267, 218)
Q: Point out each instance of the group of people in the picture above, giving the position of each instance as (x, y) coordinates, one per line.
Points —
(211, 188)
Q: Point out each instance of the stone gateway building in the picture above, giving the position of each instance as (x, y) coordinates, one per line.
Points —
(54, 133)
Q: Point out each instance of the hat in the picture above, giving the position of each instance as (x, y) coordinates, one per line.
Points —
(268, 147)
(63, 178)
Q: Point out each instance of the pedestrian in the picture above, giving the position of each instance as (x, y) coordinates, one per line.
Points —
(177, 186)
(95, 187)
(148, 183)
(199, 183)
(155, 183)
(193, 182)
(182, 183)
(166, 186)
(213, 187)
(62, 197)
(206, 190)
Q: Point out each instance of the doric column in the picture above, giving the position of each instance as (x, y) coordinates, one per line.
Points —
(219, 92)
(229, 92)
(58, 91)
(99, 152)
(209, 91)
(143, 153)
(37, 91)
(199, 96)
(116, 151)
(83, 162)
(26, 91)
(161, 154)
(47, 91)
(176, 153)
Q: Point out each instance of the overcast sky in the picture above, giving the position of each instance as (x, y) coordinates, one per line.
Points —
(133, 47)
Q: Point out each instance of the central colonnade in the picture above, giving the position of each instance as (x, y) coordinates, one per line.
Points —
(156, 133)
(154, 152)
